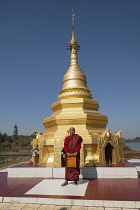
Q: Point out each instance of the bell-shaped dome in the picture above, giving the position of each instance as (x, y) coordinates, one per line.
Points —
(74, 77)
(74, 81)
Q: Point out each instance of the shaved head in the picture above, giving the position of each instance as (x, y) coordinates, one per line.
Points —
(72, 128)
(72, 131)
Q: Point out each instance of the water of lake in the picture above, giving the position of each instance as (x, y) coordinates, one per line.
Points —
(9, 150)
(4, 159)
(133, 145)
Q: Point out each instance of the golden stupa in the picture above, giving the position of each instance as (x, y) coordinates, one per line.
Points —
(76, 108)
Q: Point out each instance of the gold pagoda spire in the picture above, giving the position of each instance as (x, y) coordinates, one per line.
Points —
(73, 47)
(74, 81)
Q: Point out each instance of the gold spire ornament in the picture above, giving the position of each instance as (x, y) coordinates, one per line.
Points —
(73, 41)
(74, 81)
(73, 14)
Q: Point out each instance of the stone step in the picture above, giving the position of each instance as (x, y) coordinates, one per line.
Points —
(27, 206)
(86, 172)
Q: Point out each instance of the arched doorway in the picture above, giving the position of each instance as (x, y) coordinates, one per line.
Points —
(108, 153)
(63, 158)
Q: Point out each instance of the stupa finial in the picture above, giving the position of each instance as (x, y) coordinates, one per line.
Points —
(73, 44)
(73, 14)
(74, 80)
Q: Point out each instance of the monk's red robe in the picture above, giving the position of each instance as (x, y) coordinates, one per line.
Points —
(72, 144)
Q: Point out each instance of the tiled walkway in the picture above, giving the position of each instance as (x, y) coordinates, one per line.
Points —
(97, 189)
(112, 189)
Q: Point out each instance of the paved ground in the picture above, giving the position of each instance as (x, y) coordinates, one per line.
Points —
(28, 193)
(97, 189)
(15, 206)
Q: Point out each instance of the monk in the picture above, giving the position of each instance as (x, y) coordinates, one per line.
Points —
(72, 145)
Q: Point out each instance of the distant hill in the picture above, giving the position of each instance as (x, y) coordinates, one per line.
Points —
(137, 139)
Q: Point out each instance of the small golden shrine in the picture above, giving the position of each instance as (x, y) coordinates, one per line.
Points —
(76, 108)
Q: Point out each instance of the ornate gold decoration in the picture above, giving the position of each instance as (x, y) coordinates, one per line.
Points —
(105, 138)
(76, 108)
(37, 142)
(75, 94)
(82, 161)
(58, 146)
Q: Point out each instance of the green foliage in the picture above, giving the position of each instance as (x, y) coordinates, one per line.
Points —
(15, 141)
(137, 139)
(6, 145)
(3, 137)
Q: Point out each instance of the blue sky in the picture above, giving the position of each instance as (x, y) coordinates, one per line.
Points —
(33, 59)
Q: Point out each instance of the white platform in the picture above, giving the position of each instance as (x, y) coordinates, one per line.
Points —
(87, 172)
(134, 160)
(4, 170)
(138, 168)
(53, 187)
